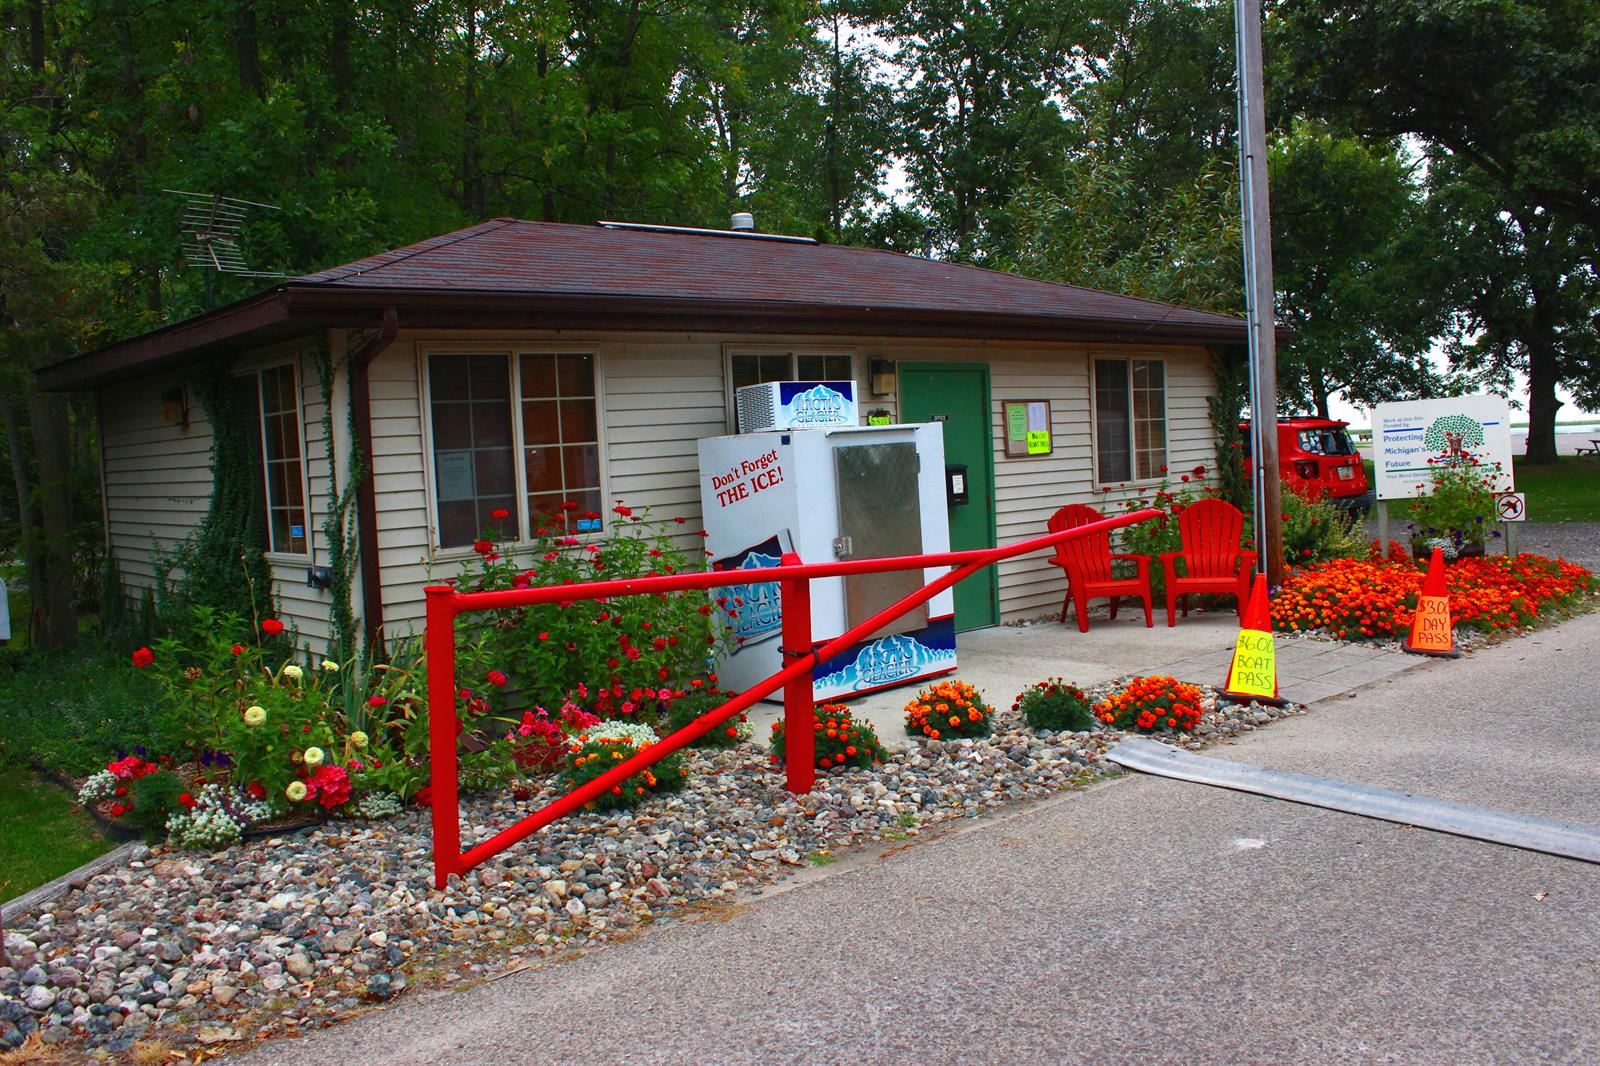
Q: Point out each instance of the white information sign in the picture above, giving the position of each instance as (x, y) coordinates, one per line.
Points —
(1405, 435)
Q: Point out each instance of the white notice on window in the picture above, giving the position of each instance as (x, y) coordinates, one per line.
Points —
(455, 475)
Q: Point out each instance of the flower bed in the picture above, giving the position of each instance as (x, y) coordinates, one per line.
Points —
(948, 710)
(273, 937)
(1372, 599)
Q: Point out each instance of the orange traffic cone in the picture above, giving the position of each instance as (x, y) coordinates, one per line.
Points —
(1431, 630)
(1253, 674)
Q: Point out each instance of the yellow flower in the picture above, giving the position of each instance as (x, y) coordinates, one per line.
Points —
(330, 666)
(358, 739)
(313, 756)
(296, 791)
(255, 715)
(292, 672)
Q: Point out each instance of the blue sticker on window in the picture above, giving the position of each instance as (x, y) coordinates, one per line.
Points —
(297, 531)
(588, 525)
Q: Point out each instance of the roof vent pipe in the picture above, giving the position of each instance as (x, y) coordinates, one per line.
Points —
(742, 222)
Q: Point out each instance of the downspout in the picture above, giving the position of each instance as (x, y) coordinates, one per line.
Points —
(366, 496)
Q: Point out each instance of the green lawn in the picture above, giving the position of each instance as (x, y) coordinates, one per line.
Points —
(42, 833)
(1567, 492)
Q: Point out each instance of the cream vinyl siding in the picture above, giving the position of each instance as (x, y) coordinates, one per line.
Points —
(661, 393)
(158, 487)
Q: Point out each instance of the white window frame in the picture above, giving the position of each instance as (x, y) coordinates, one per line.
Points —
(794, 353)
(1129, 358)
(512, 353)
(255, 371)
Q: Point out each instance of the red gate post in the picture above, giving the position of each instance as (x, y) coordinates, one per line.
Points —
(439, 638)
(799, 698)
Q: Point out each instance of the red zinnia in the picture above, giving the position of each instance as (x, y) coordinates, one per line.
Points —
(271, 626)
(499, 513)
(377, 701)
(483, 547)
(143, 657)
(497, 679)
(185, 799)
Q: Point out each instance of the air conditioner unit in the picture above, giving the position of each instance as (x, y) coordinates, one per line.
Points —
(781, 405)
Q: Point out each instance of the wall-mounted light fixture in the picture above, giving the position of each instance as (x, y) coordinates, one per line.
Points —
(175, 406)
(881, 373)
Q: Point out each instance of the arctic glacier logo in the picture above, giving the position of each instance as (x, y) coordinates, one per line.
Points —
(760, 612)
(817, 406)
(886, 661)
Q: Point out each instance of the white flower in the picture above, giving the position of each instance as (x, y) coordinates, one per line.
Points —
(313, 756)
(100, 786)
(358, 739)
(255, 715)
(640, 734)
(296, 791)
(292, 672)
(330, 666)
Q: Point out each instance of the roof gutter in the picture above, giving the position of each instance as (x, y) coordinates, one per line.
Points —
(366, 496)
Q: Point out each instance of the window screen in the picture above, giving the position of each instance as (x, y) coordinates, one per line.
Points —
(470, 403)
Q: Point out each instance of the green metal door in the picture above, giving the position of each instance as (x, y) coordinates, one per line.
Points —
(957, 394)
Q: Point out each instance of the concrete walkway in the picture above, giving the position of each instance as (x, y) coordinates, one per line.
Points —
(1143, 921)
(1003, 660)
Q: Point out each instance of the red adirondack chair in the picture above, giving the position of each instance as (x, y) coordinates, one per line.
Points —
(1212, 559)
(1087, 562)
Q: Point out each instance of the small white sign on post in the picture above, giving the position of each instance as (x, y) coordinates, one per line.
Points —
(1511, 506)
(1407, 434)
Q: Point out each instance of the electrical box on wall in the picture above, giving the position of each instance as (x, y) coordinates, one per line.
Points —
(955, 484)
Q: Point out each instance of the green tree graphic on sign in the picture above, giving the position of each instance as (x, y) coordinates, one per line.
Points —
(1453, 434)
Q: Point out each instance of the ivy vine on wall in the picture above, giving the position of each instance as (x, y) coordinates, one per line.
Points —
(221, 563)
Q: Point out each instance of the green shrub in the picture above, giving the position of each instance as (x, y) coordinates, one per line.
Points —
(612, 743)
(840, 739)
(1055, 705)
(1316, 531)
(73, 711)
(697, 700)
(155, 799)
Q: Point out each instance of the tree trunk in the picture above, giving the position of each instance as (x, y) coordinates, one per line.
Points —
(52, 448)
(27, 519)
(1543, 403)
(247, 49)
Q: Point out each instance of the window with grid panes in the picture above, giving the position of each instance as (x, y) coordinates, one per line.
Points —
(1130, 419)
(756, 368)
(561, 437)
(267, 404)
(513, 427)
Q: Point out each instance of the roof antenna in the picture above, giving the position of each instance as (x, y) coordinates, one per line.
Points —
(210, 231)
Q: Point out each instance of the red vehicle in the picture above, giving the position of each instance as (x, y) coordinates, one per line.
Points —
(1316, 458)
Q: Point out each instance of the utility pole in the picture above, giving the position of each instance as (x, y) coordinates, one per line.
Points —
(1258, 292)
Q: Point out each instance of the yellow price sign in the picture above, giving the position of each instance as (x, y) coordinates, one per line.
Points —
(1038, 442)
(1255, 665)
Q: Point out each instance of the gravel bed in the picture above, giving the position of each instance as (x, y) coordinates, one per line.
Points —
(286, 935)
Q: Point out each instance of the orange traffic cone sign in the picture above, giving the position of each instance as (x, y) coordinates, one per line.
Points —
(1431, 631)
(1253, 674)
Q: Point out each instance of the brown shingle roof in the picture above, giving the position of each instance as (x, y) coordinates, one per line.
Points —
(507, 255)
(510, 273)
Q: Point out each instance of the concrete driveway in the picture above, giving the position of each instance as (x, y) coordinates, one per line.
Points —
(1145, 920)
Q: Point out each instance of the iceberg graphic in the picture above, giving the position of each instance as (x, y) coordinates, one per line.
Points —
(886, 661)
(818, 405)
(760, 613)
